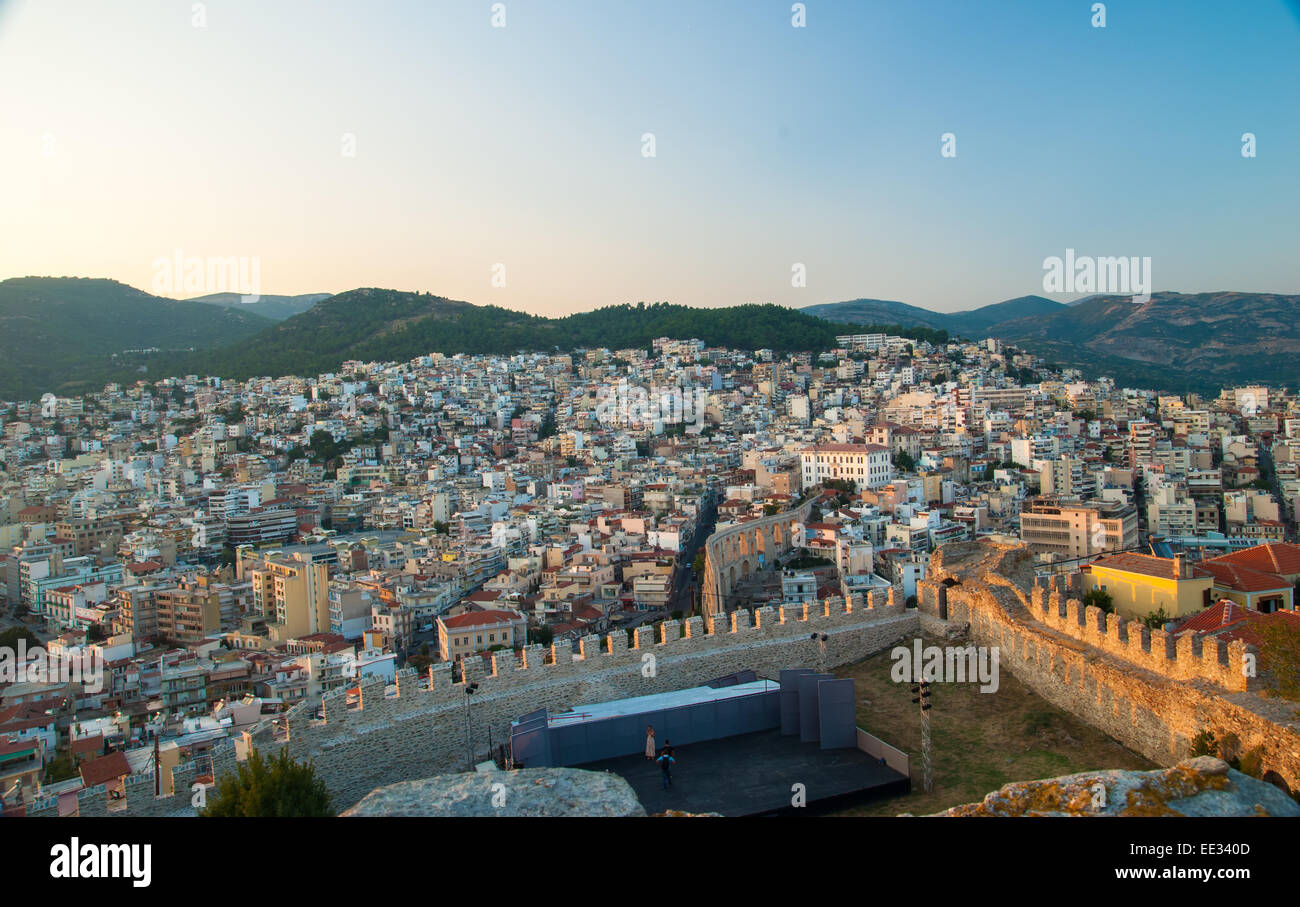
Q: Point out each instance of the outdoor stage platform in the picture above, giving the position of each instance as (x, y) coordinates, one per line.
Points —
(753, 775)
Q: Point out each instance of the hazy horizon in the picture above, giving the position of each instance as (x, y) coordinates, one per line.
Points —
(130, 132)
(265, 293)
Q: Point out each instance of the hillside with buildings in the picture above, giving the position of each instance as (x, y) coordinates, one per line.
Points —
(249, 555)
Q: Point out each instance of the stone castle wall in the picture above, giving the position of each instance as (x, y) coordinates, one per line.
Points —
(424, 729)
(1178, 658)
(1140, 686)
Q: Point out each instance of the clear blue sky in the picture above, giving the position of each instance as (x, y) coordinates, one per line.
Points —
(127, 133)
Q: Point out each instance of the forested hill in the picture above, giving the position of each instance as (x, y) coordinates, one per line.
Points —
(390, 325)
(67, 335)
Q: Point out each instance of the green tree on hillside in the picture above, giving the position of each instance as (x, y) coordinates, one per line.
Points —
(322, 446)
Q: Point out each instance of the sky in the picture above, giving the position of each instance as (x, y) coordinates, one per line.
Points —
(508, 165)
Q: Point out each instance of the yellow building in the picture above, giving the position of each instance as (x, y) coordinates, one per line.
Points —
(291, 591)
(480, 631)
(1140, 584)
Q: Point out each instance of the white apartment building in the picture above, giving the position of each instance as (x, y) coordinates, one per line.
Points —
(867, 465)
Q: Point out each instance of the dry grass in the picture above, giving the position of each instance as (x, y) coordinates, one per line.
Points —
(980, 741)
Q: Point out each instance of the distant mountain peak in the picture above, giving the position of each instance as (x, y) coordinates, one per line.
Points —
(971, 322)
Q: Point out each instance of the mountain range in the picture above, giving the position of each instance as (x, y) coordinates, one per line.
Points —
(67, 335)
(974, 323)
(71, 335)
(276, 308)
(1176, 341)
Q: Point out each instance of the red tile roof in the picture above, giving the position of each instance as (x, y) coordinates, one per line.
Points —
(1145, 564)
(103, 769)
(88, 744)
(1243, 579)
(9, 746)
(1223, 613)
(479, 619)
(1273, 557)
(1228, 621)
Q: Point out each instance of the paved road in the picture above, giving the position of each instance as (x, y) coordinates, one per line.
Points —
(1270, 469)
(681, 599)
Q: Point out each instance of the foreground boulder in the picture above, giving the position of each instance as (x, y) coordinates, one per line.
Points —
(1204, 786)
(526, 792)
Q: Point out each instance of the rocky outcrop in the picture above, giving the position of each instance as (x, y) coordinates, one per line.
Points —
(526, 792)
(1203, 786)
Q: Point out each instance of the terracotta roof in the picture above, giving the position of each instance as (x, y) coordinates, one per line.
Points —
(105, 768)
(26, 723)
(88, 744)
(9, 745)
(1273, 557)
(1230, 622)
(1233, 576)
(1145, 564)
(1223, 613)
(479, 619)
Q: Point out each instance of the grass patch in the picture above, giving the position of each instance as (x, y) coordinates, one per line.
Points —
(980, 741)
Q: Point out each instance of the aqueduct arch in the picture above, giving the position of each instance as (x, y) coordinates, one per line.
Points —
(736, 551)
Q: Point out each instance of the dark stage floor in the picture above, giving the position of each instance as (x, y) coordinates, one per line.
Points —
(753, 774)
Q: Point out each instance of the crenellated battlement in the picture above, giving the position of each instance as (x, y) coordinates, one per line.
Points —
(597, 656)
(1188, 658)
(428, 722)
(1150, 689)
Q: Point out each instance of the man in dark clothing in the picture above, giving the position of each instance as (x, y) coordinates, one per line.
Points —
(666, 761)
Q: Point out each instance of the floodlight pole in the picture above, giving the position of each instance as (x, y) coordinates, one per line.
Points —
(922, 689)
(927, 766)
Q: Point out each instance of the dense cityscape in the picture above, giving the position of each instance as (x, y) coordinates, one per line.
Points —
(230, 550)
(859, 410)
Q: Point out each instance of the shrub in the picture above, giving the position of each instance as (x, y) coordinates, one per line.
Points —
(1203, 744)
(278, 786)
(1101, 598)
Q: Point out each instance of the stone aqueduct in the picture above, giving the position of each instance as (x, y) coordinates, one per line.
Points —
(737, 551)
